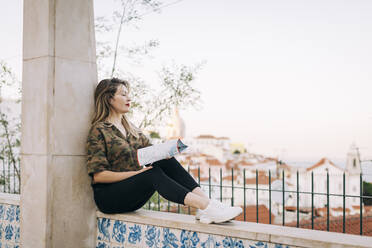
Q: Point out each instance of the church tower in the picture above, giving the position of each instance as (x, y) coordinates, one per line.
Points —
(176, 127)
(353, 160)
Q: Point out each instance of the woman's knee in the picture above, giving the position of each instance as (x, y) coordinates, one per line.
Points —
(167, 164)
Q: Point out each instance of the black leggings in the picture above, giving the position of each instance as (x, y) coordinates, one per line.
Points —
(167, 177)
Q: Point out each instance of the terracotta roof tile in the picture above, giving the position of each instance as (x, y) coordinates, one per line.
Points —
(206, 136)
(321, 162)
(262, 179)
(250, 214)
(352, 224)
(213, 162)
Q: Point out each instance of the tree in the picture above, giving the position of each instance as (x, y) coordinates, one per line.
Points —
(176, 90)
(152, 107)
(9, 127)
(367, 191)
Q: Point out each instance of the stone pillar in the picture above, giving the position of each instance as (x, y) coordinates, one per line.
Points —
(59, 77)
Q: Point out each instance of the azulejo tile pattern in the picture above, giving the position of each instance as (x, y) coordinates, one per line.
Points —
(119, 234)
(9, 226)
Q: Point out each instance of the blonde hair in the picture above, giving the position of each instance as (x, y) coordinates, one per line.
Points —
(106, 90)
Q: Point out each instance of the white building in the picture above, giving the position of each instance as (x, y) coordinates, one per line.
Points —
(335, 183)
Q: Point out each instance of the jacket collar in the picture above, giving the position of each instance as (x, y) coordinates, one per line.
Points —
(107, 124)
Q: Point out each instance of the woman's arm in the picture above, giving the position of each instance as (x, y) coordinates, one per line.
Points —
(112, 177)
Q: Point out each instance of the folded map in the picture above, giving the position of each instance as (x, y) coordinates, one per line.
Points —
(151, 154)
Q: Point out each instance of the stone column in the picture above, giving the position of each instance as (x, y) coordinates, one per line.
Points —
(59, 77)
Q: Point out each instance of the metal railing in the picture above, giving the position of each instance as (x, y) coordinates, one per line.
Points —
(159, 203)
(10, 183)
(9, 180)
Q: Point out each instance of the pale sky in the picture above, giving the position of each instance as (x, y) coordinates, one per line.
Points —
(288, 78)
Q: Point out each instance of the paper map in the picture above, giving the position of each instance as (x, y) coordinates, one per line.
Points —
(151, 154)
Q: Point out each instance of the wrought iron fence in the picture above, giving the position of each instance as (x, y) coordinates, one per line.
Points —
(9, 178)
(10, 183)
(159, 203)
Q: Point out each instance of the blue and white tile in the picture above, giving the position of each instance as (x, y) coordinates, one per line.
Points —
(17, 234)
(9, 232)
(2, 211)
(272, 245)
(10, 213)
(256, 244)
(152, 236)
(18, 214)
(102, 244)
(104, 229)
(189, 239)
(170, 237)
(232, 242)
(134, 236)
(119, 232)
(210, 241)
(9, 225)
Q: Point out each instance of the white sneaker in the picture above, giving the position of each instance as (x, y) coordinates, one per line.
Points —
(199, 212)
(237, 209)
(224, 205)
(217, 213)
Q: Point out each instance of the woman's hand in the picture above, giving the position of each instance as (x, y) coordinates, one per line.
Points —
(144, 169)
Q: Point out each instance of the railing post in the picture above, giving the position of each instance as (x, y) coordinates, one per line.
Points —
(327, 201)
(361, 204)
(209, 181)
(199, 174)
(8, 174)
(312, 200)
(343, 208)
(244, 204)
(188, 170)
(232, 186)
(283, 189)
(298, 201)
(221, 184)
(158, 202)
(269, 196)
(256, 196)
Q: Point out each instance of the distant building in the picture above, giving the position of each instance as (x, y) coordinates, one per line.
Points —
(176, 128)
(237, 147)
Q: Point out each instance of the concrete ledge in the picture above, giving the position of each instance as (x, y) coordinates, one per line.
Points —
(11, 199)
(290, 236)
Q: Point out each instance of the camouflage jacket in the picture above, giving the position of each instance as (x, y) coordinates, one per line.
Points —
(108, 149)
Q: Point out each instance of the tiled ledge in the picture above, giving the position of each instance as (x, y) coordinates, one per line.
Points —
(11, 199)
(287, 236)
(9, 220)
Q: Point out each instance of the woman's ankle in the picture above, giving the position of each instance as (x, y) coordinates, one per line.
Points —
(205, 205)
(196, 201)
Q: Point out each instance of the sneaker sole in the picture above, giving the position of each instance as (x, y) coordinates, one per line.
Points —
(209, 221)
(198, 218)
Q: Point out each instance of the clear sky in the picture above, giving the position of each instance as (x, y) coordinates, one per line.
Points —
(288, 78)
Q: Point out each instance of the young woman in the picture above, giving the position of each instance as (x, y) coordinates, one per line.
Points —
(119, 183)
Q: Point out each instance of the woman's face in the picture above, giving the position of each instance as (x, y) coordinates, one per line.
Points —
(121, 101)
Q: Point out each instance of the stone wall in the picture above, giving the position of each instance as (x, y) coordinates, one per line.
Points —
(144, 228)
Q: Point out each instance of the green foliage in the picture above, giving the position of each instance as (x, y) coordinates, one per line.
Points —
(367, 191)
(156, 202)
(154, 135)
(9, 134)
(236, 152)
